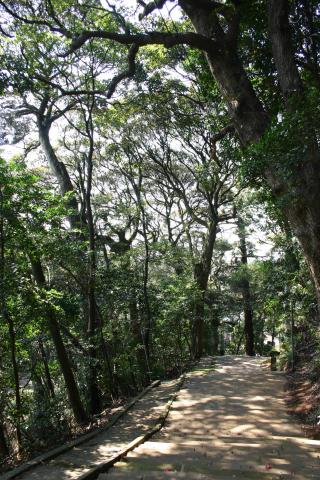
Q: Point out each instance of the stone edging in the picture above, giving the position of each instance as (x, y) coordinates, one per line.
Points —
(78, 441)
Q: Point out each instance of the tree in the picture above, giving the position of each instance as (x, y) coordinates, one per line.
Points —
(122, 254)
(246, 290)
(197, 169)
(224, 33)
(18, 193)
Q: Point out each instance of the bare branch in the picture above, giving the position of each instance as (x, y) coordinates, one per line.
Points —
(5, 33)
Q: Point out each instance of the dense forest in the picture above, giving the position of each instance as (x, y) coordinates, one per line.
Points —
(159, 199)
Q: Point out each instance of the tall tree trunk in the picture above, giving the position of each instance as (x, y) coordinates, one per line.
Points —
(260, 342)
(198, 324)
(16, 380)
(77, 221)
(215, 335)
(4, 449)
(135, 324)
(201, 275)
(64, 362)
(94, 391)
(93, 321)
(11, 329)
(44, 358)
(246, 291)
(147, 311)
(298, 193)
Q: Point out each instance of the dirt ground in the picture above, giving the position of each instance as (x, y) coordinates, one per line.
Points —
(227, 422)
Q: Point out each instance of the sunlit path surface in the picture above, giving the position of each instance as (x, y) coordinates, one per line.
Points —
(228, 422)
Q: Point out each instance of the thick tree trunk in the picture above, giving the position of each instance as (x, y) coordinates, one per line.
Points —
(64, 362)
(299, 194)
(282, 48)
(59, 170)
(303, 187)
(197, 327)
(246, 110)
(248, 319)
(246, 291)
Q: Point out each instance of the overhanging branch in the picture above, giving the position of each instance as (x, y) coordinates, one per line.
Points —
(167, 39)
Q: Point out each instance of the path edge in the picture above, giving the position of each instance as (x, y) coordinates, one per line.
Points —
(25, 467)
(93, 473)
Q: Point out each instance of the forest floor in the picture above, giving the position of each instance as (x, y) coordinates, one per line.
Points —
(228, 422)
(303, 399)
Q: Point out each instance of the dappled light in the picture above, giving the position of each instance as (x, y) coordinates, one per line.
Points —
(228, 435)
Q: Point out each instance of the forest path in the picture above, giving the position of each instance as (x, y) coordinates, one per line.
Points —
(81, 459)
(228, 422)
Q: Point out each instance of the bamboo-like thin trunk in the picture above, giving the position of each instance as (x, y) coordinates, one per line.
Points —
(46, 369)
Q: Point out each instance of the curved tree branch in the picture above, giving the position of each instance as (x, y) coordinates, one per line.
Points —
(133, 50)
(150, 7)
(167, 39)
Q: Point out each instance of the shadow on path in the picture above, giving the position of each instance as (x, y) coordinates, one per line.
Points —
(227, 422)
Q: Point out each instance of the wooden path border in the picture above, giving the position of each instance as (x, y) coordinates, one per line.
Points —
(93, 473)
(78, 441)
